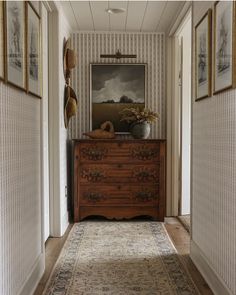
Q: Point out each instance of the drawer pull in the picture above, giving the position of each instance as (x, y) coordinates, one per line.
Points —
(145, 196)
(93, 175)
(144, 153)
(94, 197)
(120, 166)
(94, 153)
(145, 174)
(119, 187)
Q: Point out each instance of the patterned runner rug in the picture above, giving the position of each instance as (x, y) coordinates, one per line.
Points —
(119, 258)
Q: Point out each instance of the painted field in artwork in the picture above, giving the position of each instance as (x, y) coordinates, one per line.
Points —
(102, 112)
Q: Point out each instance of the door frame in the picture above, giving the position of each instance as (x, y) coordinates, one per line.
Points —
(174, 114)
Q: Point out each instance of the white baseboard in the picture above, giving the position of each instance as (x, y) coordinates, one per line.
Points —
(212, 278)
(34, 277)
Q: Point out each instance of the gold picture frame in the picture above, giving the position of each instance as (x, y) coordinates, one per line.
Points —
(224, 61)
(15, 43)
(203, 56)
(33, 51)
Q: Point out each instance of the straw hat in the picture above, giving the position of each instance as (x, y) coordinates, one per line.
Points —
(70, 108)
(69, 58)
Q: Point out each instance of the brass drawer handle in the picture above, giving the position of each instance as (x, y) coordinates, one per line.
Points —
(144, 153)
(94, 153)
(145, 196)
(93, 175)
(94, 197)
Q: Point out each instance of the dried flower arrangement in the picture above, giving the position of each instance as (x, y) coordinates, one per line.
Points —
(135, 115)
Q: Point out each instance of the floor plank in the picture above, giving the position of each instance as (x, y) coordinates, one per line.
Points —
(177, 233)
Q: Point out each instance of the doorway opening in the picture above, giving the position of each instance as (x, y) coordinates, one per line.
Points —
(184, 37)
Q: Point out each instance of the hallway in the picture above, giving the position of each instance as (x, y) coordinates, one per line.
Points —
(98, 119)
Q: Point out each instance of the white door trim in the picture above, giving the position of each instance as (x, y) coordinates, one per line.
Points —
(173, 114)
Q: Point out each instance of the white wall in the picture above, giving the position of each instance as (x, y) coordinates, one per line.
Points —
(150, 49)
(59, 28)
(21, 232)
(213, 184)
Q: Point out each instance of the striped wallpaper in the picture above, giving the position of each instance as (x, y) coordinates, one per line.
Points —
(150, 49)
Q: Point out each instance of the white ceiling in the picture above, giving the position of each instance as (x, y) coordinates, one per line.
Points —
(140, 16)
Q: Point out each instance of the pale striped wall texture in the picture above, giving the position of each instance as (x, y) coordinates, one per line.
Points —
(214, 177)
(150, 49)
(20, 196)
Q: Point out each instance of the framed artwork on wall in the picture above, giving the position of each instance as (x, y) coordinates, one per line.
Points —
(2, 55)
(203, 39)
(224, 46)
(33, 52)
(15, 43)
(114, 87)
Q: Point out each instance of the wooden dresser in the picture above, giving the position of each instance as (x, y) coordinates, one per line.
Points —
(119, 178)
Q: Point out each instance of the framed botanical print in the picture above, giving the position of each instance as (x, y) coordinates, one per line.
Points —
(203, 57)
(114, 87)
(2, 55)
(33, 52)
(224, 46)
(15, 43)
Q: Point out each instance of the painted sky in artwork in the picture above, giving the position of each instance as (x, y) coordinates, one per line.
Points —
(111, 82)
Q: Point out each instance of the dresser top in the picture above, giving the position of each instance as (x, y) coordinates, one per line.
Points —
(120, 140)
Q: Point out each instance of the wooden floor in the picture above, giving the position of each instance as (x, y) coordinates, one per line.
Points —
(177, 233)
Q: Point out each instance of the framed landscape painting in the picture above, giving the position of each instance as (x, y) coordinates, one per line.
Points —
(33, 52)
(224, 46)
(15, 43)
(114, 87)
(203, 57)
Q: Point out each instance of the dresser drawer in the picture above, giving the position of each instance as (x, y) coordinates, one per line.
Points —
(118, 152)
(119, 194)
(118, 173)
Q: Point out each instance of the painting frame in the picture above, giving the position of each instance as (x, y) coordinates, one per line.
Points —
(33, 60)
(15, 61)
(203, 33)
(2, 42)
(93, 126)
(231, 64)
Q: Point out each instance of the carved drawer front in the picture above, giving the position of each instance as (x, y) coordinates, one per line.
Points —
(115, 195)
(100, 152)
(118, 173)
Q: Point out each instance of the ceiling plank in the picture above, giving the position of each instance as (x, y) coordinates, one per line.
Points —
(152, 16)
(117, 21)
(100, 16)
(69, 14)
(136, 10)
(169, 15)
(83, 15)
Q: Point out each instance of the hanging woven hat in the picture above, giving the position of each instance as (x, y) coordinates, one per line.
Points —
(69, 58)
(70, 108)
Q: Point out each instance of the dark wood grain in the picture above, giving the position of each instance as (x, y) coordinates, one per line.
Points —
(119, 179)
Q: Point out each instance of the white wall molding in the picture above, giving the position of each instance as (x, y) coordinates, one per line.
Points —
(181, 18)
(58, 30)
(212, 278)
(34, 277)
(54, 152)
